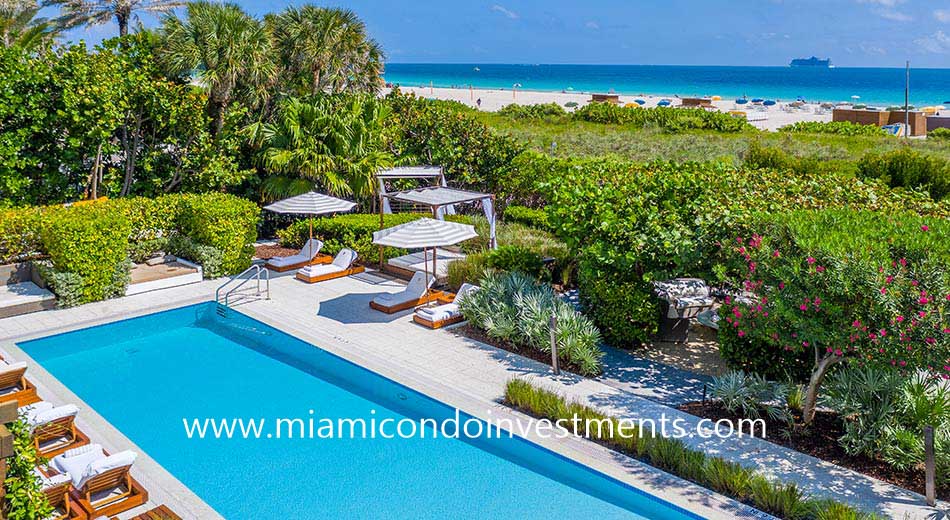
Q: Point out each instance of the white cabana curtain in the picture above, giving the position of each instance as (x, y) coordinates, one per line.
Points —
(489, 208)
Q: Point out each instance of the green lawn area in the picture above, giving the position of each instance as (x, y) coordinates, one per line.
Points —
(575, 138)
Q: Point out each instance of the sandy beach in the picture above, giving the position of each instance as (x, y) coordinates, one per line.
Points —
(762, 117)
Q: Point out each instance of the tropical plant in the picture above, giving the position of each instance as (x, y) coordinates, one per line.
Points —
(224, 49)
(329, 143)
(97, 12)
(23, 498)
(20, 25)
(750, 394)
(325, 50)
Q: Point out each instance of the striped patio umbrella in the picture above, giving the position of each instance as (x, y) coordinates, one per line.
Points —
(311, 203)
(424, 233)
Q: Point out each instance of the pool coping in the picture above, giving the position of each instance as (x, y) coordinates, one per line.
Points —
(165, 488)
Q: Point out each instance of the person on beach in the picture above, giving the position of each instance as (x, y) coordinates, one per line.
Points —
(479, 102)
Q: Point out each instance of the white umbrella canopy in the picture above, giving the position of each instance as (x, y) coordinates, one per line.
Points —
(311, 203)
(423, 234)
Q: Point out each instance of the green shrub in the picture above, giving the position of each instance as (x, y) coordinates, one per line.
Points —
(210, 258)
(624, 310)
(939, 133)
(354, 231)
(516, 259)
(514, 308)
(19, 234)
(24, 498)
(470, 269)
(907, 168)
(670, 119)
(539, 111)
(750, 394)
(66, 286)
(536, 218)
(731, 479)
(224, 222)
(834, 127)
(142, 250)
(92, 242)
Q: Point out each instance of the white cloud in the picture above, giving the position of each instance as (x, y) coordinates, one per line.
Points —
(937, 43)
(501, 9)
(893, 15)
(943, 15)
(885, 3)
(592, 26)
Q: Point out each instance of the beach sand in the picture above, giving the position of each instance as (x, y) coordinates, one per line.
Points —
(764, 118)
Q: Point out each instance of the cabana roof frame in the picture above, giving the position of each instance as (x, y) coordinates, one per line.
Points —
(436, 196)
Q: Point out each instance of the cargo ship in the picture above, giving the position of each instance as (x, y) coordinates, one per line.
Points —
(811, 62)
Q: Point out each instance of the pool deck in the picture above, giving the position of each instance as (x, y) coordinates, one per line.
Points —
(335, 315)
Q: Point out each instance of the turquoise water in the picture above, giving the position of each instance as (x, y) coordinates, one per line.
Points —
(873, 85)
(145, 374)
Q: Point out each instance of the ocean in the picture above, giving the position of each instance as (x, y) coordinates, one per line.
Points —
(876, 86)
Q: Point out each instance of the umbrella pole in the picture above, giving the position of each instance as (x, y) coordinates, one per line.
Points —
(310, 243)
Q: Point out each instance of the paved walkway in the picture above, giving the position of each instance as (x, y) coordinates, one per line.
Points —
(335, 316)
(656, 381)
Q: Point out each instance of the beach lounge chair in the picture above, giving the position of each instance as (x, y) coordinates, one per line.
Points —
(14, 386)
(53, 427)
(416, 293)
(57, 490)
(342, 265)
(309, 254)
(102, 481)
(447, 313)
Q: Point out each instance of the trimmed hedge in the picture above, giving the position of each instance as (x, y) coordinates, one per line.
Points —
(908, 168)
(88, 246)
(90, 241)
(536, 218)
(668, 118)
(834, 127)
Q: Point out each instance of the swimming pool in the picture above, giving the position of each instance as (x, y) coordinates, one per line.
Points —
(144, 375)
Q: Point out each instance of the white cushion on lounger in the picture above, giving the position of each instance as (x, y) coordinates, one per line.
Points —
(76, 460)
(345, 258)
(31, 410)
(317, 270)
(309, 250)
(11, 367)
(54, 414)
(102, 465)
(439, 313)
(416, 289)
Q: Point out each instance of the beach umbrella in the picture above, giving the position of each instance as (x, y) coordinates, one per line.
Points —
(741, 101)
(716, 98)
(425, 233)
(757, 100)
(642, 102)
(663, 103)
(311, 203)
(768, 102)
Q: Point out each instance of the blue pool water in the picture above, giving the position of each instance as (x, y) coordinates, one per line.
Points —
(882, 86)
(145, 374)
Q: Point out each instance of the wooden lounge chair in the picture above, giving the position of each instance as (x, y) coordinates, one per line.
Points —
(14, 386)
(341, 266)
(103, 483)
(54, 428)
(416, 293)
(308, 255)
(58, 490)
(445, 314)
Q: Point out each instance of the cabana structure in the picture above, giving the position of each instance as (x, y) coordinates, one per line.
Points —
(440, 200)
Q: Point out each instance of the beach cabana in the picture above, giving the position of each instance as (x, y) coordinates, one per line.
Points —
(425, 233)
(312, 204)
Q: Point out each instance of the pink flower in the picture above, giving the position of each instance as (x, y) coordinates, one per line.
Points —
(930, 341)
(838, 352)
(883, 290)
(889, 279)
(903, 262)
(810, 260)
(820, 269)
(924, 228)
(741, 333)
(804, 307)
(923, 300)
(900, 319)
(781, 287)
(903, 363)
(776, 254)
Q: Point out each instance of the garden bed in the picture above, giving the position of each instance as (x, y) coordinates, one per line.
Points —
(820, 440)
(471, 332)
(266, 252)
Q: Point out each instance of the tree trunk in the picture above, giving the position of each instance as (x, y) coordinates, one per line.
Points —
(93, 191)
(131, 153)
(123, 20)
(216, 111)
(814, 383)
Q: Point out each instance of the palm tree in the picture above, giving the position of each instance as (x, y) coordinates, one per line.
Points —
(226, 50)
(20, 27)
(326, 50)
(330, 143)
(97, 12)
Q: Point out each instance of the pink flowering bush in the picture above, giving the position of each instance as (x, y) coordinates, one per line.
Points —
(839, 285)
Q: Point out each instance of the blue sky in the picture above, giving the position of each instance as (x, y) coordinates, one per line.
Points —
(860, 33)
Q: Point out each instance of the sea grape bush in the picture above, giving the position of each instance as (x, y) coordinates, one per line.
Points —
(539, 111)
(835, 285)
(834, 127)
(907, 168)
(670, 119)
